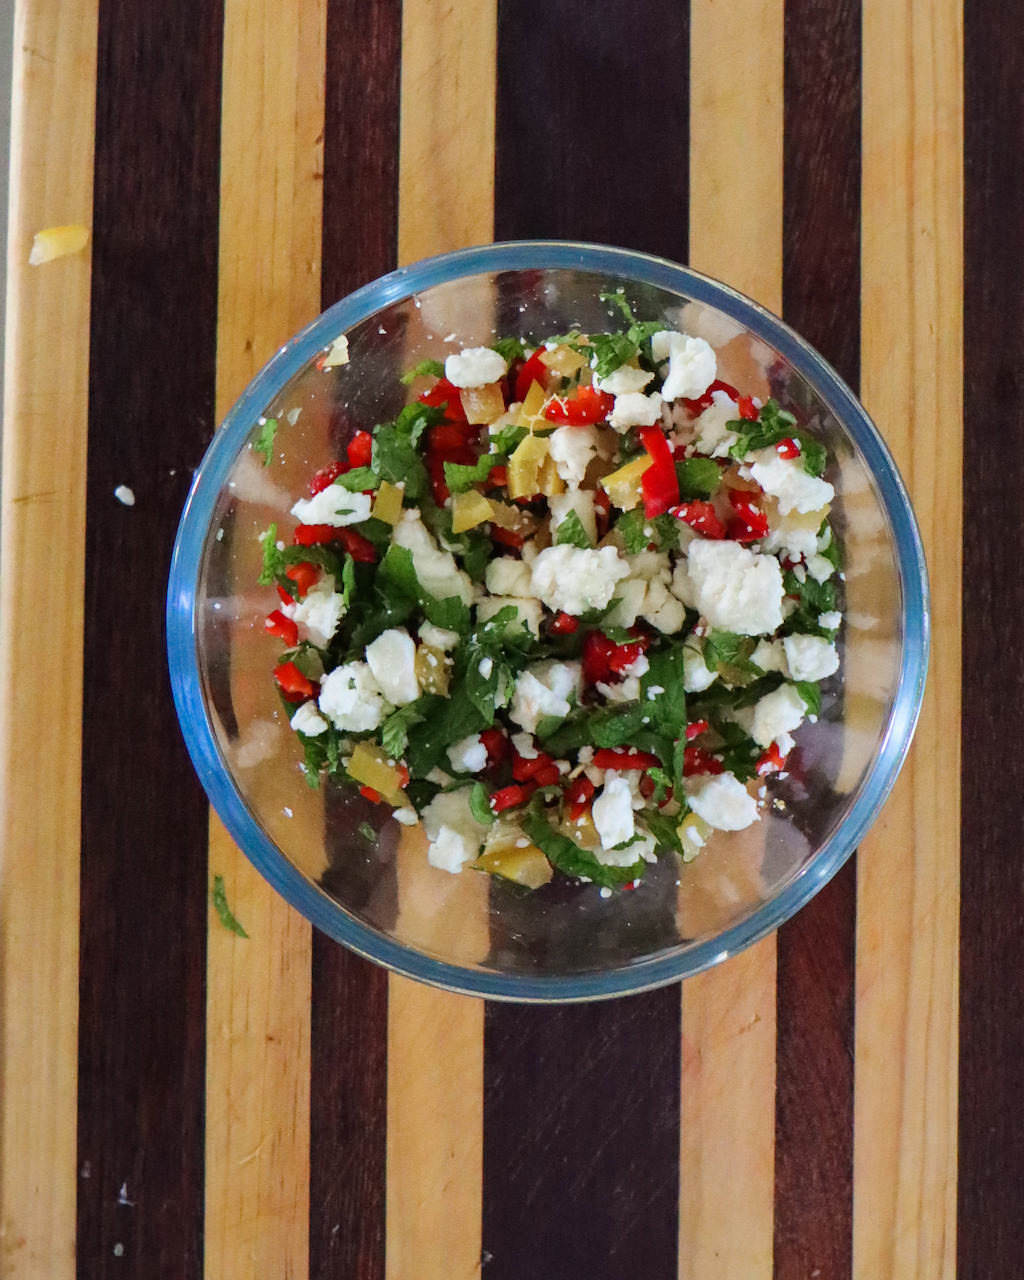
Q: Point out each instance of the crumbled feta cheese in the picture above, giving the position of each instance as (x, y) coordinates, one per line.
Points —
(455, 835)
(392, 659)
(786, 480)
(638, 667)
(793, 542)
(810, 657)
(575, 579)
(337, 353)
(468, 755)
(544, 689)
(571, 449)
(634, 409)
(528, 612)
(507, 576)
(523, 743)
(770, 656)
(723, 802)
(485, 666)
(713, 436)
(650, 565)
(580, 501)
(631, 595)
(691, 364)
(735, 588)
(820, 568)
(785, 744)
(125, 495)
(780, 711)
(406, 816)
(612, 812)
(696, 675)
(662, 610)
(623, 380)
(335, 506)
(351, 699)
(474, 367)
(319, 611)
(627, 690)
(436, 570)
(830, 621)
(438, 637)
(308, 720)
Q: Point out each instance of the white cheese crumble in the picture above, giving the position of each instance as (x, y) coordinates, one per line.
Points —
(713, 436)
(696, 675)
(661, 609)
(438, 637)
(528, 612)
(722, 801)
(436, 570)
(770, 656)
(408, 817)
(308, 720)
(507, 576)
(468, 755)
(544, 689)
(810, 657)
(571, 449)
(124, 495)
(635, 410)
(575, 579)
(474, 367)
(335, 506)
(319, 611)
(820, 567)
(734, 588)
(337, 353)
(580, 501)
(830, 621)
(780, 711)
(455, 835)
(612, 812)
(523, 743)
(691, 364)
(787, 481)
(392, 660)
(624, 380)
(351, 699)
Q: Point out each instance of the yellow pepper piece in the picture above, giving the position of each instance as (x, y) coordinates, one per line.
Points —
(468, 510)
(432, 669)
(369, 766)
(482, 404)
(623, 486)
(387, 505)
(524, 466)
(563, 360)
(550, 482)
(57, 242)
(526, 866)
(693, 834)
(533, 405)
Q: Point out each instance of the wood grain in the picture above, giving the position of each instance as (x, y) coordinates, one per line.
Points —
(815, 996)
(906, 1036)
(348, 1090)
(43, 486)
(991, 1150)
(728, 1092)
(144, 816)
(258, 989)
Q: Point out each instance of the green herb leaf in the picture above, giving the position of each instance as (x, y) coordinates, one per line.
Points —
(509, 349)
(505, 440)
(667, 710)
(479, 804)
(274, 563)
(773, 425)
(453, 718)
(617, 298)
(662, 781)
(813, 599)
(450, 613)
(348, 580)
(264, 442)
(616, 725)
(572, 533)
(224, 912)
(571, 860)
(729, 655)
(358, 479)
(611, 352)
(810, 691)
(394, 732)
(459, 477)
(662, 828)
(425, 369)
(631, 526)
(698, 477)
(367, 832)
(395, 455)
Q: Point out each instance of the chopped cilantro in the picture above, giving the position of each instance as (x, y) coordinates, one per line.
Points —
(663, 829)
(698, 477)
(453, 718)
(773, 425)
(274, 563)
(505, 440)
(813, 599)
(616, 298)
(729, 654)
(611, 351)
(264, 442)
(459, 478)
(397, 568)
(395, 454)
(358, 479)
(572, 533)
(571, 860)
(425, 369)
(509, 349)
(479, 804)
(810, 691)
(367, 832)
(667, 710)
(394, 732)
(224, 912)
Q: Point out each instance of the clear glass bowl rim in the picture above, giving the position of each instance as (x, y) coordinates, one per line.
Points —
(213, 473)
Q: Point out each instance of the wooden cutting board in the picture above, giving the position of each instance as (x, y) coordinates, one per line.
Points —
(178, 1101)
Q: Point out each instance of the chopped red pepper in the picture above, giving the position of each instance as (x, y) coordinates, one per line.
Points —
(695, 728)
(304, 575)
(293, 684)
(359, 548)
(308, 535)
(602, 510)
(625, 655)
(788, 448)
(444, 393)
(697, 760)
(587, 406)
(616, 758)
(771, 761)
(697, 406)
(447, 436)
(360, 449)
(701, 517)
(540, 768)
(751, 523)
(368, 793)
(507, 537)
(509, 797)
(327, 476)
(498, 746)
(564, 624)
(597, 650)
(578, 797)
(497, 478)
(438, 484)
(747, 408)
(533, 370)
(278, 625)
(659, 483)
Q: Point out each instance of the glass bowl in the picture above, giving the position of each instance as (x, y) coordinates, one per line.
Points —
(380, 896)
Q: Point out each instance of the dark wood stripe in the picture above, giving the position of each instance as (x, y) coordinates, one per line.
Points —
(581, 1135)
(348, 1088)
(991, 1143)
(815, 1001)
(144, 815)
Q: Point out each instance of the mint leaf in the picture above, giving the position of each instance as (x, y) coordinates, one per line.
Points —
(571, 860)
(725, 651)
(394, 732)
(425, 369)
(611, 351)
(451, 719)
(395, 455)
(264, 442)
(572, 533)
(358, 479)
(505, 440)
(638, 532)
(509, 349)
(666, 710)
(617, 298)
(397, 568)
(698, 477)
(224, 912)
(367, 832)
(813, 598)
(810, 691)
(616, 725)
(348, 580)
(274, 563)
(479, 804)
(459, 477)
(662, 828)
(773, 425)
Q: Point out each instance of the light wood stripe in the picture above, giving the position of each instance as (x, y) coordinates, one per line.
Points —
(45, 414)
(258, 989)
(908, 890)
(435, 1040)
(727, 1124)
